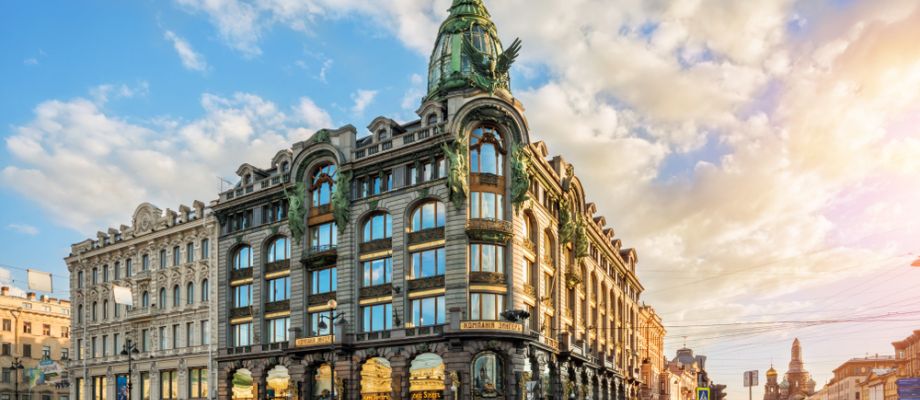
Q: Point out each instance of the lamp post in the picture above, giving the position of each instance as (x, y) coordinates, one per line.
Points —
(16, 366)
(332, 317)
(129, 349)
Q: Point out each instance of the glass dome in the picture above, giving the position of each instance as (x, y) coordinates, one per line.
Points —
(449, 68)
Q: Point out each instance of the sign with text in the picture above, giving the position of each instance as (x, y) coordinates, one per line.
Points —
(427, 395)
(751, 378)
(491, 326)
(313, 341)
(702, 393)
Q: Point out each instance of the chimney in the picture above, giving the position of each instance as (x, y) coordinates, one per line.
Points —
(5, 291)
(30, 295)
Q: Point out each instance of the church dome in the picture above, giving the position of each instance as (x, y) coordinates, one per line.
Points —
(772, 372)
(468, 52)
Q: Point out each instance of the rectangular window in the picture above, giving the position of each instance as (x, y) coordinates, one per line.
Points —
(190, 252)
(175, 336)
(5, 375)
(46, 352)
(26, 327)
(378, 317)
(129, 268)
(99, 391)
(486, 306)
(7, 325)
(205, 332)
(162, 259)
(487, 258)
(205, 250)
(78, 389)
(79, 349)
(324, 281)
(242, 334)
(116, 344)
(169, 385)
(428, 263)
(323, 237)
(6, 349)
(315, 319)
(412, 175)
(117, 269)
(242, 296)
(428, 311)
(189, 333)
(80, 279)
(145, 340)
(279, 289)
(176, 256)
(426, 172)
(442, 168)
(105, 345)
(65, 353)
(145, 386)
(46, 329)
(105, 273)
(27, 349)
(485, 205)
(378, 272)
(198, 383)
(145, 262)
(277, 329)
(164, 341)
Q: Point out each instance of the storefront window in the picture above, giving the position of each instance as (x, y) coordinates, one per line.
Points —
(243, 387)
(376, 379)
(278, 383)
(426, 377)
(322, 383)
(487, 375)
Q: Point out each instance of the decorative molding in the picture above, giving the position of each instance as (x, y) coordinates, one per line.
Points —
(376, 291)
(240, 312)
(276, 306)
(427, 235)
(237, 274)
(321, 298)
(375, 245)
(277, 266)
(427, 283)
(492, 278)
(490, 230)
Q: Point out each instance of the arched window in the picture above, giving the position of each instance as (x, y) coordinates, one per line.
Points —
(321, 184)
(204, 290)
(428, 215)
(145, 300)
(162, 298)
(322, 382)
(432, 119)
(278, 383)
(105, 310)
(243, 387)
(486, 151)
(426, 376)
(376, 378)
(95, 310)
(279, 249)
(487, 375)
(242, 258)
(80, 314)
(285, 167)
(176, 296)
(190, 293)
(378, 226)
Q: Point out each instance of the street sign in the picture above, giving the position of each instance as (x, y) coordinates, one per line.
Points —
(702, 393)
(751, 378)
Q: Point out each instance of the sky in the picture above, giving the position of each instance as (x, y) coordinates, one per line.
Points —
(762, 157)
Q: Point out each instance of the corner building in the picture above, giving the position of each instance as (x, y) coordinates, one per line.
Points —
(463, 261)
(165, 259)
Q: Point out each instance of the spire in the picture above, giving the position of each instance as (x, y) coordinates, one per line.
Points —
(796, 364)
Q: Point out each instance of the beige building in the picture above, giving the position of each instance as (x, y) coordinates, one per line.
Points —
(848, 376)
(165, 259)
(880, 385)
(908, 352)
(35, 332)
(651, 352)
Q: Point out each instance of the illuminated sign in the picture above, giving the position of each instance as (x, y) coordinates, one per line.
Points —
(313, 341)
(376, 396)
(492, 326)
(427, 395)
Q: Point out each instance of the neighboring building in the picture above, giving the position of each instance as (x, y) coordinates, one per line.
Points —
(797, 383)
(36, 332)
(651, 352)
(880, 385)
(434, 238)
(685, 373)
(847, 377)
(819, 395)
(908, 352)
(166, 260)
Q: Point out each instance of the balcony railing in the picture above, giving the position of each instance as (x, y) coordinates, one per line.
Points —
(277, 306)
(425, 330)
(427, 235)
(492, 278)
(490, 230)
(320, 257)
(376, 291)
(277, 266)
(321, 298)
(237, 274)
(427, 283)
(238, 312)
(374, 246)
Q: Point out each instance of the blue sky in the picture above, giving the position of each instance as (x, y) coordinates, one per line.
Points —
(764, 154)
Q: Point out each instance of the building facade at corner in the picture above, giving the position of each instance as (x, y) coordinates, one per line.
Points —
(651, 352)
(35, 332)
(165, 259)
(907, 351)
(463, 262)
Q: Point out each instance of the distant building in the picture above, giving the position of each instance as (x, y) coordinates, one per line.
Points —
(797, 383)
(685, 373)
(37, 333)
(651, 353)
(879, 385)
(908, 352)
(845, 384)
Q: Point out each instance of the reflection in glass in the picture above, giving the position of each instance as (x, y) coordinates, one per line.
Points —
(243, 387)
(487, 374)
(426, 373)
(322, 382)
(376, 379)
(278, 383)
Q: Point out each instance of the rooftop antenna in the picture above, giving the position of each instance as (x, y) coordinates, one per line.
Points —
(222, 182)
(685, 342)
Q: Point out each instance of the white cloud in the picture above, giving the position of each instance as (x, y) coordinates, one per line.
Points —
(413, 96)
(30, 61)
(24, 229)
(362, 98)
(190, 59)
(90, 168)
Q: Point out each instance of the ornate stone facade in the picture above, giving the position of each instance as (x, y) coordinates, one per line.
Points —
(166, 259)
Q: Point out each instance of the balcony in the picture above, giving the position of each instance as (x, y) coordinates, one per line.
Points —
(427, 283)
(238, 274)
(425, 236)
(489, 278)
(376, 291)
(490, 230)
(322, 298)
(320, 257)
(277, 306)
(374, 246)
(239, 312)
(277, 266)
(367, 336)
(425, 330)
(320, 210)
(486, 180)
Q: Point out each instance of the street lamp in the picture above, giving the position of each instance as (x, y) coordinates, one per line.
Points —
(332, 317)
(16, 366)
(129, 349)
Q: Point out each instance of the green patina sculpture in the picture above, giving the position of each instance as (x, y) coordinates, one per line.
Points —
(457, 185)
(341, 199)
(580, 240)
(520, 176)
(567, 223)
(297, 212)
(491, 72)
(321, 136)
